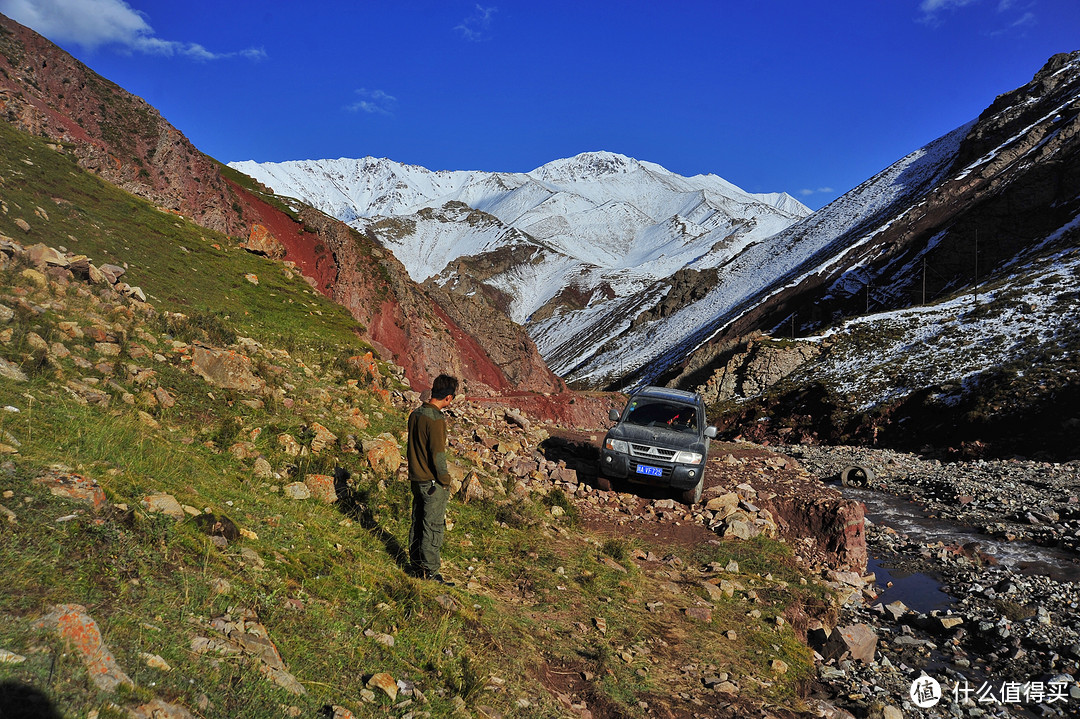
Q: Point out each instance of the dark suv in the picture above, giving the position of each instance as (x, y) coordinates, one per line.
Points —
(660, 439)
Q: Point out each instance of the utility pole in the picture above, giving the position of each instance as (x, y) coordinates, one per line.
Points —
(976, 269)
(793, 324)
(924, 279)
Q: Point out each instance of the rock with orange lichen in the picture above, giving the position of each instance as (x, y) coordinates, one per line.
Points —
(321, 487)
(74, 487)
(80, 632)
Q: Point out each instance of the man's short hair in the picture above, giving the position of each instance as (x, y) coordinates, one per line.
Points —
(443, 386)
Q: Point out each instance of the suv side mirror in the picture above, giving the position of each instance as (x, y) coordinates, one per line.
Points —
(614, 415)
(710, 432)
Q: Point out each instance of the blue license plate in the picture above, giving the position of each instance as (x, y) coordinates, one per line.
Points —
(651, 471)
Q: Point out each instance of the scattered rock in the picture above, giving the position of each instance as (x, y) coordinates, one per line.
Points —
(74, 487)
(162, 503)
(155, 662)
(322, 438)
(289, 445)
(12, 371)
(7, 657)
(297, 490)
(158, 709)
(385, 683)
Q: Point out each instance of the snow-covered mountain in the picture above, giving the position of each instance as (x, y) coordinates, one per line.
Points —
(625, 273)
(579, 237)
(750, 277)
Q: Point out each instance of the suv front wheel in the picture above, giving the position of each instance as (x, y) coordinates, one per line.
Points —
(692, 496)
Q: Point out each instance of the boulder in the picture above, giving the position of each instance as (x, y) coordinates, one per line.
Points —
(564, 475)
(225, 369)
(261, 242)
(34, 277)
(857, 641)
(289, 445)
(472, 489)
(12, 371)
(382, 453)
(243, 450)
(739, 529)
(263, 470)
(699, 614)
(723, 505)
(163, 397)
(384, 682)
(41, 256)
(112, 273)
(321, 487)
(297, 490)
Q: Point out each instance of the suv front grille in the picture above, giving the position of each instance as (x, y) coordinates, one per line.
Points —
(647, 452)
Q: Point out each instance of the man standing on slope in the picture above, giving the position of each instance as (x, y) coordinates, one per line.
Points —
(426, 454)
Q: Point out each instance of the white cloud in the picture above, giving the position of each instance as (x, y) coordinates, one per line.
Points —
(98, 23)
(475, 27)
(931, 9)
(1027, 20)
(806, 192)
(373, 102)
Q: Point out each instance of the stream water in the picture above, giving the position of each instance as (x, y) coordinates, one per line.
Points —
(923, 592)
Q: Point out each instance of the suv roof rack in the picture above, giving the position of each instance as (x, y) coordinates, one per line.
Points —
(667, 393)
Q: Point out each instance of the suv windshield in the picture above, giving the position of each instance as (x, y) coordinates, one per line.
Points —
(679, 417)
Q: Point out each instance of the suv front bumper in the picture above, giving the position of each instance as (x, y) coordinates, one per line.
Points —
(618, 465)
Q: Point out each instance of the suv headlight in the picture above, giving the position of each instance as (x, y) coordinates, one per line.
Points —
(616, 445)
(688, 457)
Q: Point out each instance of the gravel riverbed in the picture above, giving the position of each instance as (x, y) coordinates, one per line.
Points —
(1002, 539)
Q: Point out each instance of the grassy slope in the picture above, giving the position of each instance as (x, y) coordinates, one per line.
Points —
(328, 573)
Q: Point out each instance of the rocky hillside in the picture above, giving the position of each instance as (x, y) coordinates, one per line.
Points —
(995, 375)
(46, 92)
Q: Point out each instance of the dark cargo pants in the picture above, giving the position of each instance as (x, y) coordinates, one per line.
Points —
(428, 525)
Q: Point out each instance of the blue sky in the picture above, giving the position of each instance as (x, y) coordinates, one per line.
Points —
(810, 98)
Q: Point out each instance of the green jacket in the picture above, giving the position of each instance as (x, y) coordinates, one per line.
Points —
(426, 450)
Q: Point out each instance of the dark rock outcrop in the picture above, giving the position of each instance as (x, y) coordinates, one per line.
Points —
(751, 367)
